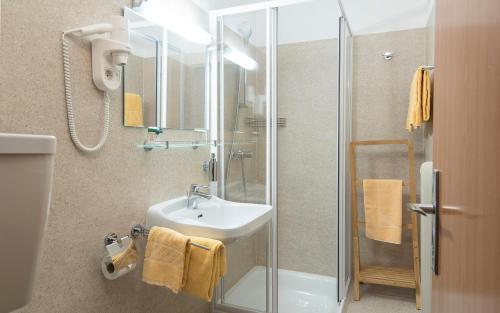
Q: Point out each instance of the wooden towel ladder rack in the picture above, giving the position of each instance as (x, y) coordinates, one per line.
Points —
(391, 276)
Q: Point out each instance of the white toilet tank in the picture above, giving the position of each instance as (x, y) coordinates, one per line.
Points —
(26, 167)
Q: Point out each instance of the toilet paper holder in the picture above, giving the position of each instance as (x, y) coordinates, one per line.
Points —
(112, 238)
(113, 246)
(136, 231)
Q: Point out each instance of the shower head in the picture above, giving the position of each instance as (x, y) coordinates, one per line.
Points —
(245, 30)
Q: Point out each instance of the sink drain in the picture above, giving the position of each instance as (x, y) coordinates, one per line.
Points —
(200, 216)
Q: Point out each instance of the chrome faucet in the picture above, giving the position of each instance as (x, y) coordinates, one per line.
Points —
(195, 190)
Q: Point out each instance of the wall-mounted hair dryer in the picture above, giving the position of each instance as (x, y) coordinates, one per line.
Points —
(110, 50)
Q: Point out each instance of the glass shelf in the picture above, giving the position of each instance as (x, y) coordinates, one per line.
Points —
(173, 144)
(170, 144)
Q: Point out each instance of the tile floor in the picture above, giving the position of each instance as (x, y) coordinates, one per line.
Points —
(383, 299)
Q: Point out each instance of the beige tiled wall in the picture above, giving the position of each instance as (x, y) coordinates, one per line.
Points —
(93, 194)
(380, 103)
(307, 82)
(306, 160)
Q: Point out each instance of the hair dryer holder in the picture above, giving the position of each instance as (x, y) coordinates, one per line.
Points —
(107, 57)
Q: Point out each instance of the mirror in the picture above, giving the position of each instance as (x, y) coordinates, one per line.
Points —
(186, 83)
(140, 83)
(165, 81)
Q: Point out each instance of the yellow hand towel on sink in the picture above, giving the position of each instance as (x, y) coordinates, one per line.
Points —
(206, 267)
(383, 209)
(166, 259)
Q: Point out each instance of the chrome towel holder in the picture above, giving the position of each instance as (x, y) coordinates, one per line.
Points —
(138, 230)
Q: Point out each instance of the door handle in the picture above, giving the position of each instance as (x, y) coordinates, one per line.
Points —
(422, 209)
(425, 209)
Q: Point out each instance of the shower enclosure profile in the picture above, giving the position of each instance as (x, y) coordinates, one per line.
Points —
(280, 93)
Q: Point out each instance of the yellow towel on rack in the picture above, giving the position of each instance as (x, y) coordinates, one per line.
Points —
(166, 259)
(419, 108)
(426, 95)
(414, 118)
(383, 209)
(133, 115)
(125, 258)
(206, 267)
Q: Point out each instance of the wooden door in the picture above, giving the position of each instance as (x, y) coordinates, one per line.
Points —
(467, 152)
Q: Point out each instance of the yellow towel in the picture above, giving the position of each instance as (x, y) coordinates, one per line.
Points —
(426, 95)
(419, 108)
(414, 118)
(205, 267)
(133, 115)
(125, 258)
(166, 259)
(383, 209)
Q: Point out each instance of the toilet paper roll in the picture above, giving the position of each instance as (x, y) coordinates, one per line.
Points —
(110, 273)
(108, 267)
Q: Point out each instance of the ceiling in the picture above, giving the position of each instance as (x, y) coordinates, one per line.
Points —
(369, 16)
(317, 19)
(307, 21)
(208, 5)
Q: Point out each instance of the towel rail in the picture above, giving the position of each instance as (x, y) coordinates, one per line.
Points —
(139, 230)
(359, 183)
(405, 226)
(409, 278)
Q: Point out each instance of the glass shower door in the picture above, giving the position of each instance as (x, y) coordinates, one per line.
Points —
(307, 169)
(242, 152)
(283, 94)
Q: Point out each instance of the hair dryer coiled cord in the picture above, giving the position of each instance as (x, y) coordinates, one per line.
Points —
(69, 105)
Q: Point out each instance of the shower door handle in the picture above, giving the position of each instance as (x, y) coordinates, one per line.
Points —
(433, 208)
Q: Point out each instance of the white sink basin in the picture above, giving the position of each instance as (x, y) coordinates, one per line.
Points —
(215, 218)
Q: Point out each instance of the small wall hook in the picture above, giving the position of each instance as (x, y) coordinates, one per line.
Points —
(388, 55)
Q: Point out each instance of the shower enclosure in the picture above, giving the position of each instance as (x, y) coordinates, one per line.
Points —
(280, 95)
